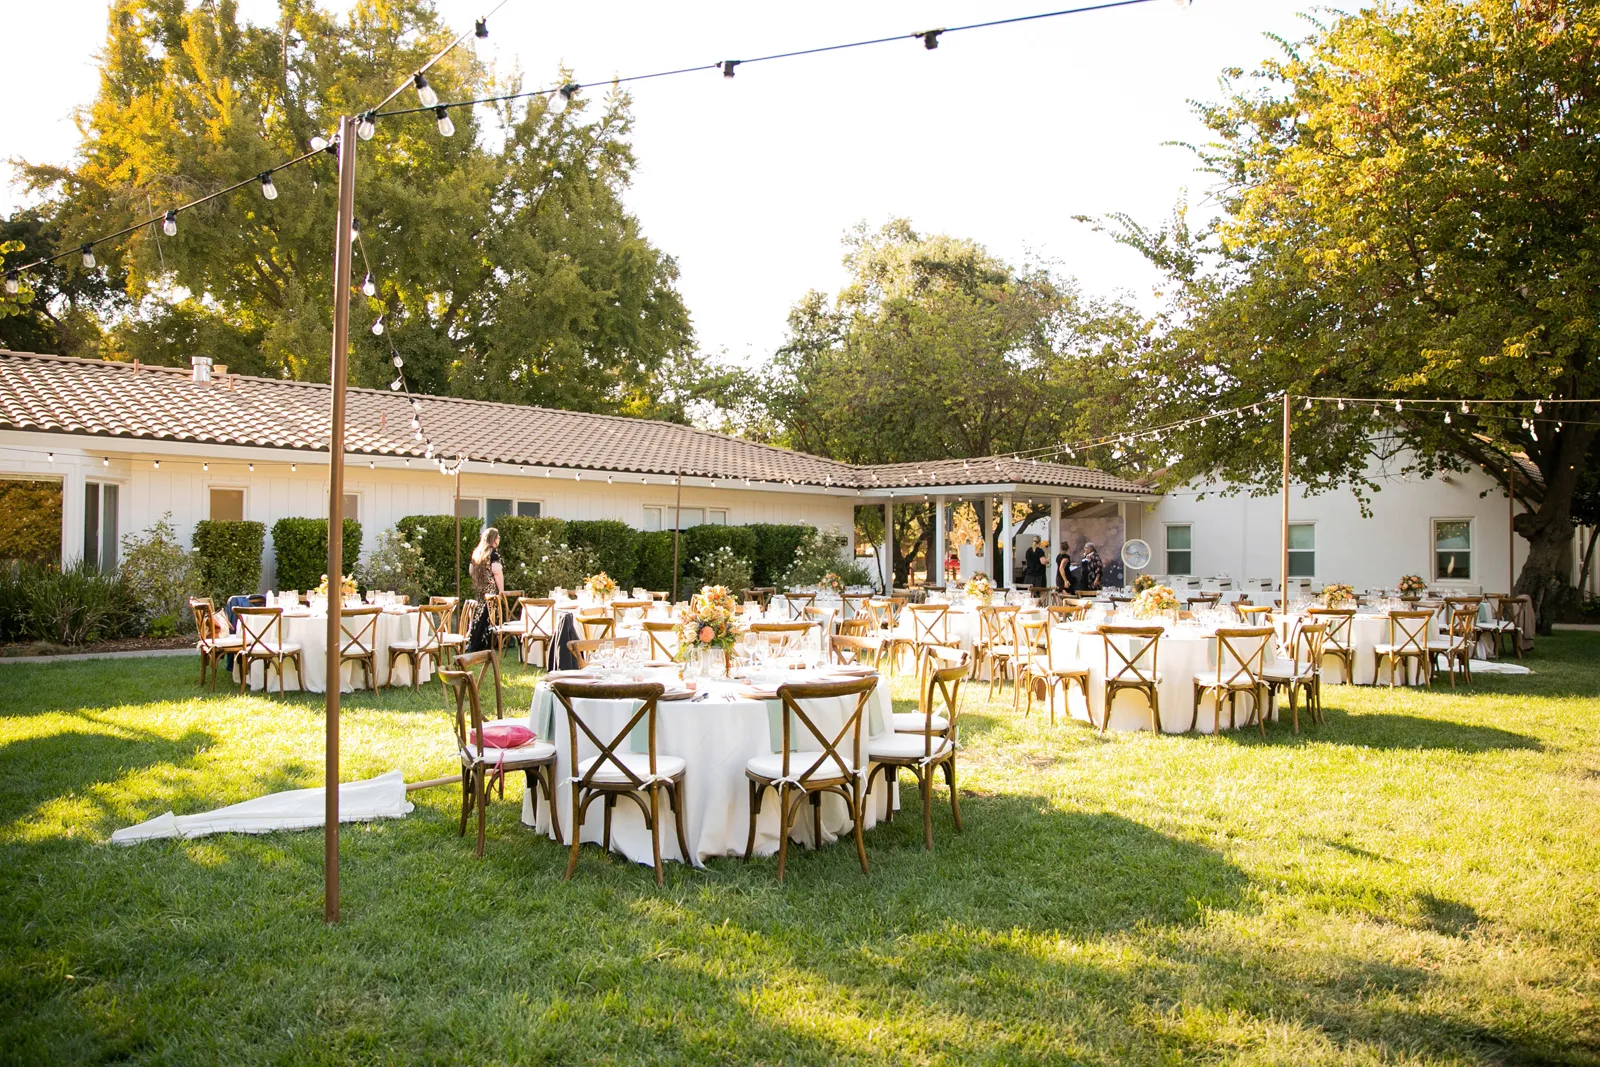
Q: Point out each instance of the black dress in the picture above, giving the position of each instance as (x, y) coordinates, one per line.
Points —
(1064, 572)
(1033, 567)
(482, 575)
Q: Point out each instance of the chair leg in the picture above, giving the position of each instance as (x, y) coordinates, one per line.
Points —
(655, 827)
(857, 815)
(816, 821)
(611, 803)
(676, 797)
(756, 789)
(466, 800)
(483, 805)
(955, 796)
(577, 831)
(925, 781)
(783, 830)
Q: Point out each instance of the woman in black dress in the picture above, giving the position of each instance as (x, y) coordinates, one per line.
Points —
(1064, 578)
(1033, 565)
(488, 580)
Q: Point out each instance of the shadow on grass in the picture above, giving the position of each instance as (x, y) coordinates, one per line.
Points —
(36, 770)
(1395, 731)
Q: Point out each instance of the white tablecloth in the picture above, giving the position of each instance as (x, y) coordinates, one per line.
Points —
(715, 737)
(310, 632)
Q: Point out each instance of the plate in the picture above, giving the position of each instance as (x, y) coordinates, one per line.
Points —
(570, 676)
(677, 694)
(757, 694)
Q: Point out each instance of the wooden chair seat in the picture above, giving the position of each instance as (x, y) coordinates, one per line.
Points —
(907, 746)
(915, 722)
(636, 762)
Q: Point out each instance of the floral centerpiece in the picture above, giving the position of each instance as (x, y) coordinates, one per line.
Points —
(347, 587)
(1143, 582)
(601, 586)
(1154, 601)
(707, 625)
(832, 583)
(1334, 595)
(1412, 585)
(980, 589)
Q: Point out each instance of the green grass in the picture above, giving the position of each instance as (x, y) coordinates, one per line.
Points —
(1417, 882)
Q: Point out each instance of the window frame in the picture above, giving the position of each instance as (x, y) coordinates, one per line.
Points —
(1433, 529)
(1166, 547)
(107, 549)
(515, 512)
(244, 498)
(1292, 552)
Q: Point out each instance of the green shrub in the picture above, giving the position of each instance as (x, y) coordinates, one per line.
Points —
(437, 535)
(720, 566)
(396, 566)
(161, 575)
(13, 608)
(229, 555)
(821, 552)
(776, 545)
(549, 565)
(301, 549)
(74, 607)
(655, 561)
(522, 538)
(614, 544)
(703, 540)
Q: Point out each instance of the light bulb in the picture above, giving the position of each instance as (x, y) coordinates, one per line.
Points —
(367, 126)
(1341, 405)
(205, 466)
(318, 143)
(88, 255)
(293, 468)
(12, 284)
(558, 101)
(1397, 407)
(169, 224)
(1538, 407)
(252, 468)
(369, 287)
(446, 127)
(269, 190)
(158, 465)
(105, 461)
(1447, 418)
(480, 28)
(425, 94)
(1464, 409)
(51, 456)
(377, 326)
(416, 424)
(394, 386)
(355, 229)
(1308, 403)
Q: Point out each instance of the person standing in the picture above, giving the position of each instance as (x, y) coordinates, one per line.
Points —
(1033, 565)
(1064, 576)
(1089, 568)
(488, 580)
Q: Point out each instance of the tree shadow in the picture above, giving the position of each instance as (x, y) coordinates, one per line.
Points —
(36, 770)
(1391, 730)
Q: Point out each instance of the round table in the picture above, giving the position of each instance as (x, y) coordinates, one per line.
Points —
(310, 632)
(715, 737)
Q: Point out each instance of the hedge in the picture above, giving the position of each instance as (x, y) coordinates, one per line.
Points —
(300, 547)
(655, 561)
(438, 548)
(517, 533)
(230, 557)
(776, 545)
(616, 544)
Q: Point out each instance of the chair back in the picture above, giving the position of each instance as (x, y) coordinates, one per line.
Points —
(432, 624)
(856, 604)
(1055, 640)
(496, 607)
(358, 631)
(798, 603)
(1463, 630)
(205, 618)
(1206, 600)
(761, 594)
(626, 612)
(596, 626)
(795, 697)
(851, 649)
(1136, 664)
(663, 638)
(1408, 631)
(885, 612)
(1339, 623)
(451, 602)
(463, 687)
(1032, 643)
(1069, 611)
(930, 623)
(1507, 609)
(781, 633)
(821, 618)
(486, 660)
(261, 628)
(861, 625)
(940, 693)
(1254, 614)
(1241, 655)
(646, 693)
(997, 624)
(538, 615)
(582, 649)
(1306, 643)
(1117, 598)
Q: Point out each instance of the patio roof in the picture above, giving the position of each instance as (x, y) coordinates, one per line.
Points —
(129, 401)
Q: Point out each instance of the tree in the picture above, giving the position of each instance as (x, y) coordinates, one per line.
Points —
(55, 309)
(1408, 211)
(505, 263)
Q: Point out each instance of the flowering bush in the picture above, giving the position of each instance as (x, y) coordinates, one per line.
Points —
(396, 565)
(548, 565)
(980, 588)
(1412, 585)
(601, 586)
(1337, 594)
(161, 575)
(1143, 582)
(724, 568)
(1154, 601)
(708, 621)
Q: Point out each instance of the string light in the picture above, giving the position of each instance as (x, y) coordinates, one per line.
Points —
(169, 223)
(368, 286)
(425, 94)
(205, 466)
(13, 283)
(105, 461)
(88, 255)
(158, 465)
(446, 127)
(268, 190)
(377, 326)
(367, 126)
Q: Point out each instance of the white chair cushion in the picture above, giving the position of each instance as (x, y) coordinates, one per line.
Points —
(1130, 677)
(915, 721)
(905, 746)
(771, 767)
(223, 642)
(452, 639)
(411, 646)
(1210, 678)
(1285, 673)
(638, 763)
(1385, 650)
(277, 650)
(539, 750)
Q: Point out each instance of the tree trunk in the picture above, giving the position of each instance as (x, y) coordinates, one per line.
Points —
(1546, 576)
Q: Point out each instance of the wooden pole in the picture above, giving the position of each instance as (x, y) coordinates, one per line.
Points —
(677, 524)
(339, 371)
(1511, 535)
(1285, 531)
(458, 535)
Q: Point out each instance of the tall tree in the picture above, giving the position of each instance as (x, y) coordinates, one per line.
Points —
(1408, 211)
(505, 262)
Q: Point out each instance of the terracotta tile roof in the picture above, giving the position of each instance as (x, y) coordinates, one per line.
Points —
(83, 396)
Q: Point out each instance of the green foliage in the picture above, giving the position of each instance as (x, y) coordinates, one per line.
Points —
(75, 606)
(654, 571)
(820, 553)
(437, 535)
(512, 268)
(30, 521)
(550, 565)
(706, 538)
(522, 537)
(301, 549)
(718, 566)
(396, 565)
(614, 544)
(161, 575)
(776, 545)
(229, 555)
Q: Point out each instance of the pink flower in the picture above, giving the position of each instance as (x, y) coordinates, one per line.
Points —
(706, 635)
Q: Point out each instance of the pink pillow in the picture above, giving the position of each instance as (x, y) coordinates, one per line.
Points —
(507, 736)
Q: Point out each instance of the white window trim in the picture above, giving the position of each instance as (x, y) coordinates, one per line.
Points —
(244, 500)
(1433, 547)
(516, 502)
(1166, 551)
(1313, 549)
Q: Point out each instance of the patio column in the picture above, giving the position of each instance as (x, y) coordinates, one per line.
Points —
(936, 571)
(1055, 535)
(73, 487)
(1007, 543)
(987, 517)
(888, 546)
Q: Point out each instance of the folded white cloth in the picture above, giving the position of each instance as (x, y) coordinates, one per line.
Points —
(383, 797)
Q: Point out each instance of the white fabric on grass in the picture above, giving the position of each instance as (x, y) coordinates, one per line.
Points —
(383, 797)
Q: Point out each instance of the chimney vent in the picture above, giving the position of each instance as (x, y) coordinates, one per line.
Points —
(202, 368)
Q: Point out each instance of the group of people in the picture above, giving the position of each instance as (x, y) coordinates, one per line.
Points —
(1081, 577)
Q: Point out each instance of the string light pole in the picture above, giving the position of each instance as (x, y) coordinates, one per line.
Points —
(1284, 561)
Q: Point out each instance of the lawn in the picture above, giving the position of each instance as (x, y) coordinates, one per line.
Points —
(1417, 882)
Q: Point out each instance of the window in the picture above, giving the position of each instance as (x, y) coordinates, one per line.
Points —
(100, 526)
(1452, 549)
(497, 508)
(657, 517)
(352, 506)
(1180, 545)
(227, 505)
(1302, 550)
(468, 509)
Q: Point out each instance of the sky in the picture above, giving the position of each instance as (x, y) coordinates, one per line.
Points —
(999, 135)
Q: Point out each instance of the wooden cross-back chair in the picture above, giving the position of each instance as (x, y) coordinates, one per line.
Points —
(798, 603)
(1241, 657)
(483, 766)
(930, 626)
(1460, 639)
(1338, 640)
(781, 634)
(583, 648)
(1253, 615)
(613, 773)
(1136, 670)
(851, 650)
(1302, 673)
(997, 645)
(1118, 598)
(1408, 643)
(626, 612)
(358, 641)
(1056, 669)
(538, 618)
(761, 594)
(663, 638)
(453, 640)
(815, 770)
(1508, 623)
(1072, 611)
(821, 618)
(261, 639)
(856, 605)
(1204, 600)
(595, 623)
(212, 643)
(925, 741)
(428, 644)
(1030, 653)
